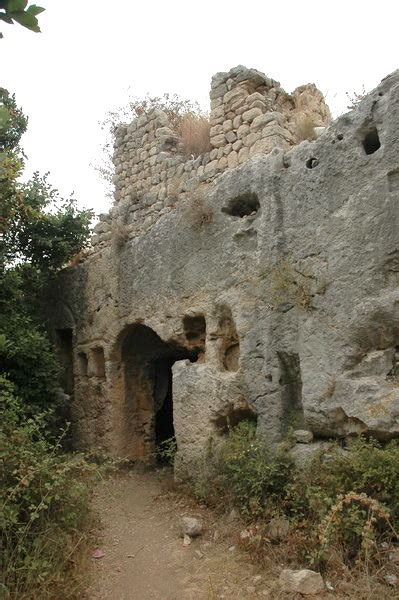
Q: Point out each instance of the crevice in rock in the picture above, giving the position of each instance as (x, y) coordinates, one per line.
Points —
(393, 180)
(290, 382)
(195, 331)
(83, 364)
(229, 345)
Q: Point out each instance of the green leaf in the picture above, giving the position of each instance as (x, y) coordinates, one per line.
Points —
(16, 5)
(35, 10)
(26, 20)
(6, 18)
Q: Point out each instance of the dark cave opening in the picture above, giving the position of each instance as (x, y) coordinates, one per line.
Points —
(148, 391)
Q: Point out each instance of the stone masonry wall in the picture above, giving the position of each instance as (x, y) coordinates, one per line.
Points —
(250, 114)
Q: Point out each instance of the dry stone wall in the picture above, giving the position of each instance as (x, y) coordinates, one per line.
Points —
(250, 114)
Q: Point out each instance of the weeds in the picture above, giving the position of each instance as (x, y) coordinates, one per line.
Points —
(44, 509)
(342, 507)
(288, 284)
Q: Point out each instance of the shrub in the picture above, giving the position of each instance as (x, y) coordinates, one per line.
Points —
(44, 507)
(343, 503)
(245, 473)
(367, 468)
(347, 500)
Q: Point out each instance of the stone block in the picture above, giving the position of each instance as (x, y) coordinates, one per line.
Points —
(218, 140)
(249, 115)
(303, 581)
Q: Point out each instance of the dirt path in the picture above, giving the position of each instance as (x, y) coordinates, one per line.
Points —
(145, 558)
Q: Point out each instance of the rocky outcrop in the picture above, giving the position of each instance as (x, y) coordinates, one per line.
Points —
(266, 291)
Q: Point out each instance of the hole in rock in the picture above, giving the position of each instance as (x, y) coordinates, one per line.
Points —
(97, 362)
(229, 417)
(243, 205)
(340, 137)
(394, 372)
(147, 363)
(371, 141)
(195, 330)
(311, 163)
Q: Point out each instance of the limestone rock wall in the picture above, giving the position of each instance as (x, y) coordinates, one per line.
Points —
(268, 291)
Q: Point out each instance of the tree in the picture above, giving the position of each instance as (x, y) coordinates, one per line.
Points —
(40, 232)
(17, 11)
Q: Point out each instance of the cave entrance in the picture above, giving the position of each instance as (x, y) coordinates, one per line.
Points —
(163, 398)
(147, 363)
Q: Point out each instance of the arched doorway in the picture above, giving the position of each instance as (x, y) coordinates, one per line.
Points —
(146, 369)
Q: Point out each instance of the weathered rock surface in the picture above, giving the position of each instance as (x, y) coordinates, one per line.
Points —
(303, 581)
(268, 292)
(302, 436)
(278, 529)
(191, 526)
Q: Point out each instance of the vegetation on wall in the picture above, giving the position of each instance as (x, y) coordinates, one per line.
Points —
(186, 118)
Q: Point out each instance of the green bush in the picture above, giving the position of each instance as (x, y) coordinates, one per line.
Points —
(344, 501)
(348, 499)
(246, 473)
(366, 467)
(44, 506)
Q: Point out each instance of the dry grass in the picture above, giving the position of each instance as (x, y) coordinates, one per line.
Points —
(305, 128)
(120, 236)
(197, 212)
(194, 131)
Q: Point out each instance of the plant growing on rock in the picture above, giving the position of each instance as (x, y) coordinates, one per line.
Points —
(186, 119)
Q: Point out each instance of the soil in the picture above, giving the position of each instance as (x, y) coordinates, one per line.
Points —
(144, 556)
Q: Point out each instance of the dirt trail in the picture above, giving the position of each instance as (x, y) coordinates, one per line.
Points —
(145, 558)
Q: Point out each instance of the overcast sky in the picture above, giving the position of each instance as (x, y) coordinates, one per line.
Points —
(91, 55)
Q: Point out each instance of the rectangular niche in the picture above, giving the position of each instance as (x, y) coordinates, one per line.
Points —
(97, 362)
(83, 364)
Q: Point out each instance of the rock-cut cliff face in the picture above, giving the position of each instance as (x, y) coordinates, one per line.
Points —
(266, 290)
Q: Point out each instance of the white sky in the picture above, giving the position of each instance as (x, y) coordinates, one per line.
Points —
(91, 55)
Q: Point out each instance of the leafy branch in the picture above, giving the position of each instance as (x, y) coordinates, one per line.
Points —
(17, 11)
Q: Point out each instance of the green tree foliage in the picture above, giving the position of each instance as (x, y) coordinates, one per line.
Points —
(18, 11)
(44, 508)
(40, 232)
